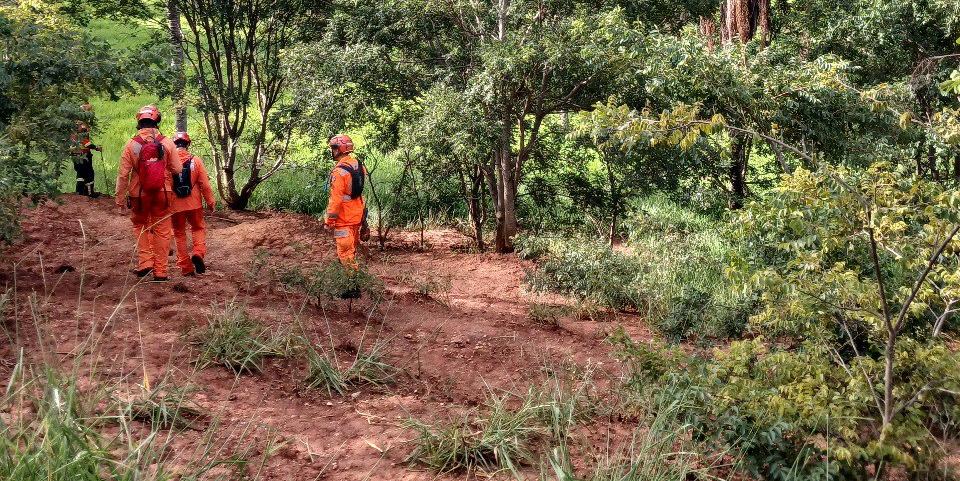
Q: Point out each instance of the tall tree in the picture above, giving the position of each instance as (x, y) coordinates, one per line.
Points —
(516, 62)
(235, 53)
(178, 90)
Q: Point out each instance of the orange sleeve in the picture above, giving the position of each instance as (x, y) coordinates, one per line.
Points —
(123, 174)
(338, 187)
(203, 181)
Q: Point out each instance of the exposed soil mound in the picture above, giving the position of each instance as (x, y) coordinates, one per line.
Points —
(456, 323)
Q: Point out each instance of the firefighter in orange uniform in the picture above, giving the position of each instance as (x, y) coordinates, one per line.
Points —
(191, 188)
(346, 210)
(145, 186)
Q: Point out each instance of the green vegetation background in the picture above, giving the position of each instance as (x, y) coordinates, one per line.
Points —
(298, 187)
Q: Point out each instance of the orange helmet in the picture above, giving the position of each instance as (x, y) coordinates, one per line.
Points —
(181, 137)
(341, 144)
(149, 112)
(87, 107)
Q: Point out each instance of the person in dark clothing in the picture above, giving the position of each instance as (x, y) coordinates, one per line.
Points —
(82, 152)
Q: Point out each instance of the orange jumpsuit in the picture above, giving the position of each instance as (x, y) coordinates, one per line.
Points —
(150, 212)
(345, 215)
(189, 210)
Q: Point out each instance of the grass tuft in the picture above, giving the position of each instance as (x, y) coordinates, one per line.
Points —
(163, 407)
(368, 369)
(239, 343)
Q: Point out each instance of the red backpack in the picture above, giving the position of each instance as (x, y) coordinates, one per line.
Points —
(151, 167)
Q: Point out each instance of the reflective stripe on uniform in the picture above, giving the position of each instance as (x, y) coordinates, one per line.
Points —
(81, 179)
(332, 215)
(340, 233)
(346, 198)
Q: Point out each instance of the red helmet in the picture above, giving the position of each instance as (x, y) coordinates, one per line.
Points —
(341, 144)
(182, 137)
(149, 112)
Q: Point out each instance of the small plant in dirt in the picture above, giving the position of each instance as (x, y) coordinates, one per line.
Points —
(500, 439)
(547, 315)
(259, 263)
(659, 451)
(164, 406)
(506, 433)
(236, 341)
(429, 285)
(332, 280)
(369, 368)
(323, 373)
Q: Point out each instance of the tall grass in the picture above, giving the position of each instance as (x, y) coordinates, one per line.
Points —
(238, 342)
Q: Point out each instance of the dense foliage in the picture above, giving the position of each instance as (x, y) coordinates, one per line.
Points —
(48, 68)
(777, 177)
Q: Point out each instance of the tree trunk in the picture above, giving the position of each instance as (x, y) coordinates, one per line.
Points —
(739, 160)
(472, 195)
(708, 28)
(743, 19)
(179, 86)
(476, 208)
(506, 206)
(888, 400)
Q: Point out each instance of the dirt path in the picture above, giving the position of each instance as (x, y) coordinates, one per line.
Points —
(476, 336)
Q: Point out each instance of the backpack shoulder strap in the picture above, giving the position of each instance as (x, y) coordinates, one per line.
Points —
(138, 143)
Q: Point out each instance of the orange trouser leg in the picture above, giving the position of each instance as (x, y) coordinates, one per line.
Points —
(198, 232)
(144, 238)
(347, 238)
(152, 226)
(179, 223)
(162, 232)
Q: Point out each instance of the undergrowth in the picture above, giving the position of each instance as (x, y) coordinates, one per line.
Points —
(671, 271)
(506, 433)
(163, 406)
(369, 368)
(233, 339)
(331, 281)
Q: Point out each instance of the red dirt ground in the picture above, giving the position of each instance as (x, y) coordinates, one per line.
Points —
(478, 337)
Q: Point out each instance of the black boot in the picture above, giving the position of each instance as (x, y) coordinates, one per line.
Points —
(198, 264)
(142, 272)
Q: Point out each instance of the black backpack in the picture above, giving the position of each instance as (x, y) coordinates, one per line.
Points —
(357, 178)
(182, 185)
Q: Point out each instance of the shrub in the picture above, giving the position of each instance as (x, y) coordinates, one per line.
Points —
(500, 439)
(332, 280)
(588, 270)
(673, 272)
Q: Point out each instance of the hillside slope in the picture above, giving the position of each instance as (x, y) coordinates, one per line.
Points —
(76, 254)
